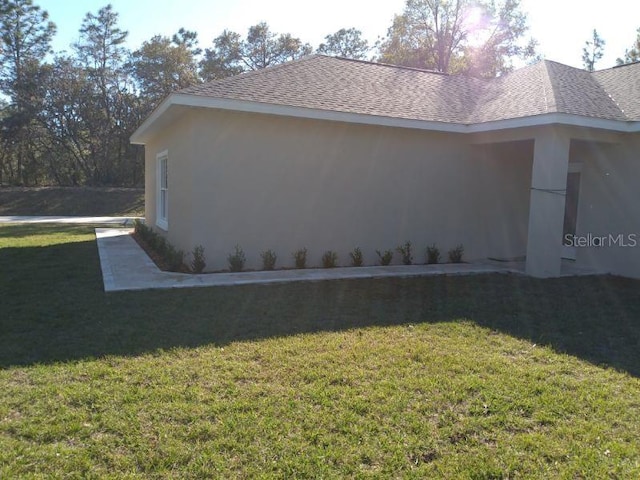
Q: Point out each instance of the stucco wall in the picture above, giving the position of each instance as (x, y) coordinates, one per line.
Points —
(505, 175)
(610, 204)
(268, 182)
(177, 140)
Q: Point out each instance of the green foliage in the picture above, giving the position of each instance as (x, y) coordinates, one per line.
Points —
(172, 258)
(144, 231)
(25, 40)
(198, 262)
(157, 242)
(592, 51)
(456, 253)
(102, 54)
(439, 35)
(70, 120)
(633, 54)
(406, 252)
(269, 258)
(385, 257)
(433, 254)
(357, 259)
(300, 258)
(140, 227)
(162, 65)
(347, 43)
(329, 259)
(237, 259)
(261, 48)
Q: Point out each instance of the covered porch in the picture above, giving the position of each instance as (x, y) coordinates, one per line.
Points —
(558, 156)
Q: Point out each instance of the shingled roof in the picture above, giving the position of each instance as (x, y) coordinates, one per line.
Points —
(622, 84)
(330, 88)
(351, 86)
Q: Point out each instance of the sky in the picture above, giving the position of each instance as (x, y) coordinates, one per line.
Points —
(560, 26)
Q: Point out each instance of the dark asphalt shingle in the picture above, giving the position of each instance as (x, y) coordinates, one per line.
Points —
(336, 84)
(622, 84)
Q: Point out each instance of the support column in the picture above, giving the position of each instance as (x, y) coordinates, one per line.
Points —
(547, 203)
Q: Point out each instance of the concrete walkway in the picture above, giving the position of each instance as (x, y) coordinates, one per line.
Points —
(125, 221)
(125, 266)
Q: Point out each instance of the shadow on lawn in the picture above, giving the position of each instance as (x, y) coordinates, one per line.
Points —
(57, 311)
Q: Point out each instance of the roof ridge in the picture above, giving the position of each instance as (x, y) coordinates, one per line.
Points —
(550, 104)
(601, 84)
(382, 64)
(339, 84)
(279, 66)
(556, 85)
(622, 65)
(546, 61)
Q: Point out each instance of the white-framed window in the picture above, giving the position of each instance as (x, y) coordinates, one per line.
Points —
(162, 190)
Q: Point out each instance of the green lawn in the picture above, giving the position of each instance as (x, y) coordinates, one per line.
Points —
(84, 201)
(453, 377)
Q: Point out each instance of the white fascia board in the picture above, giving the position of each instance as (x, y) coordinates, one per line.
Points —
(556, 119)
(198, 101)
(137, 137)
(314, 114)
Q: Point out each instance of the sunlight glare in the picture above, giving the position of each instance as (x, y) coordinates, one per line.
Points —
(476, 24)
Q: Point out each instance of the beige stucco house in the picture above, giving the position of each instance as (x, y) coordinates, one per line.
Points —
(328, 153)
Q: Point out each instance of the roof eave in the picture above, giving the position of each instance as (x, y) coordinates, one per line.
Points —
(144, 132)
(556, 118)
(199, 101)
(140, 136)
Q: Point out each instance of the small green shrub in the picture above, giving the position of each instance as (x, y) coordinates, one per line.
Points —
(385, 257)
(455, 254)
(329, 259)
(406, 251)
(300, 258)
(269, 258)
(172, 259)
(158, 243)
(356, 257)
(433, 254)
(146, 233)
(142, 229)
(197, 259)
(237, 259)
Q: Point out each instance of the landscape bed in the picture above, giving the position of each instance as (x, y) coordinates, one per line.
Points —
(489, 376)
